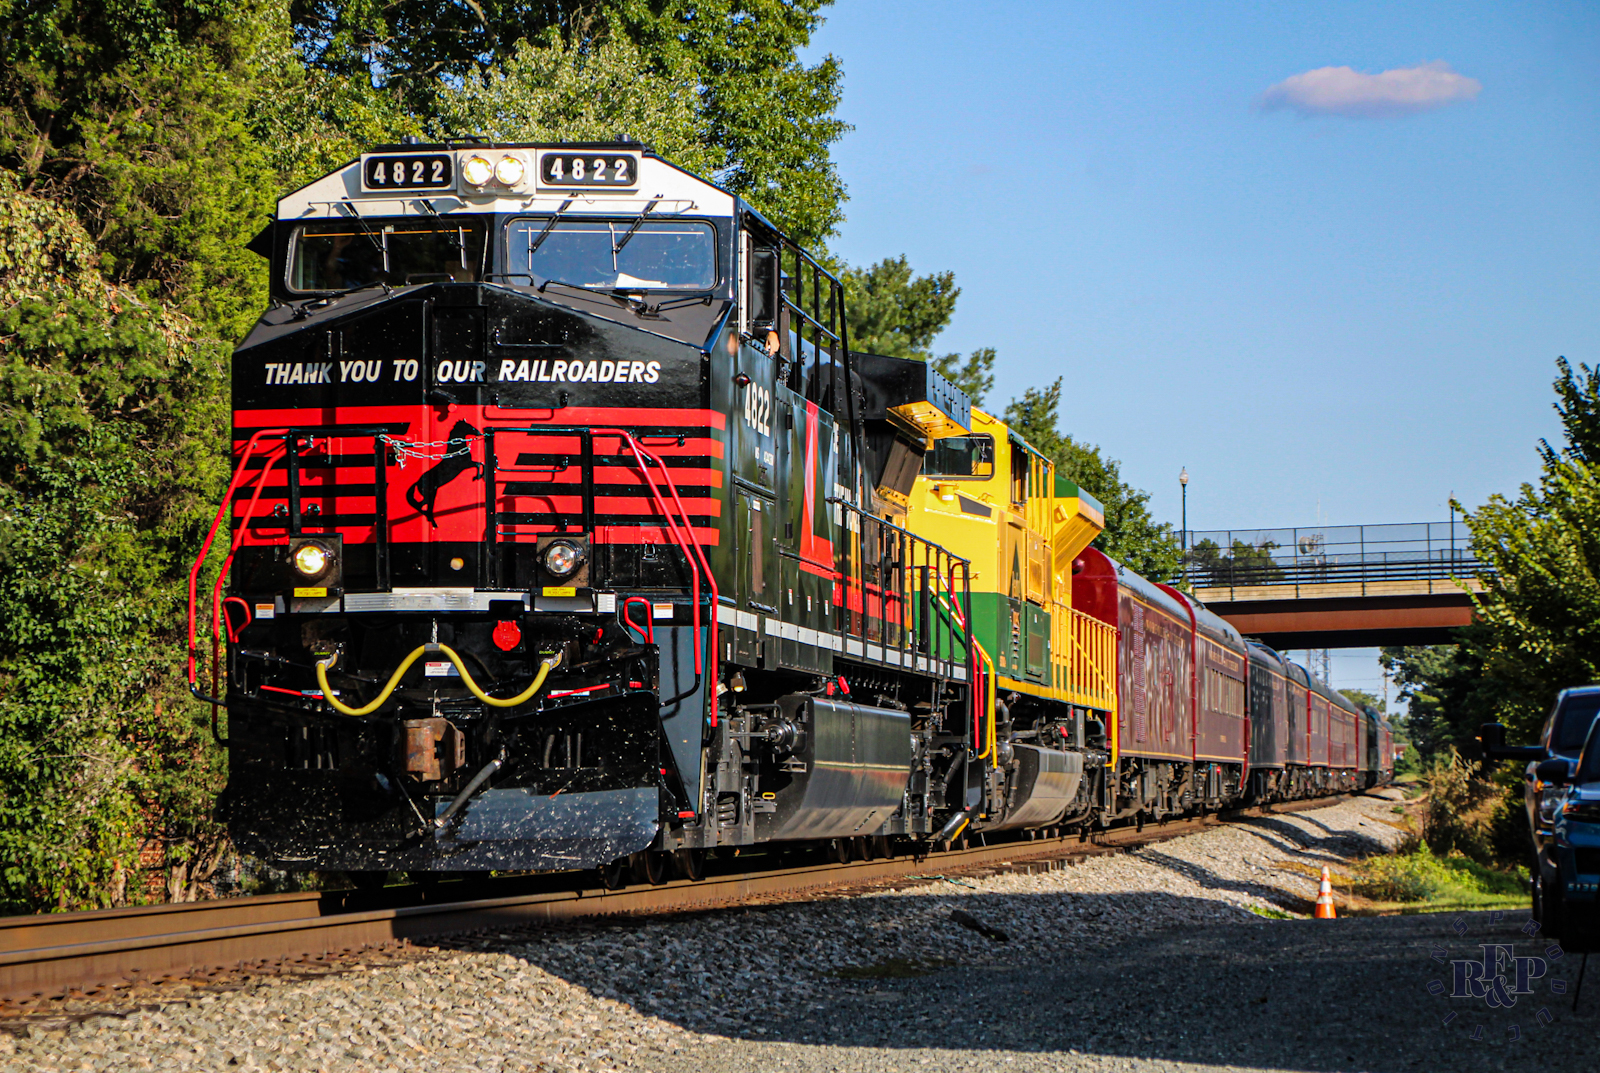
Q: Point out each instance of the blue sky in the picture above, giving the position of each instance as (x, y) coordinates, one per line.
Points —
(1353, 315)
(1323, 318)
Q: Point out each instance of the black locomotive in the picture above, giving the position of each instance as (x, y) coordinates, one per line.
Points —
(550, 540)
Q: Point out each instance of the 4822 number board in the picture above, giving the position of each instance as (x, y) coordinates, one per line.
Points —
(412, 171)
(589, 169)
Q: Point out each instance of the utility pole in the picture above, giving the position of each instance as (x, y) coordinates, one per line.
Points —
(1183, 536)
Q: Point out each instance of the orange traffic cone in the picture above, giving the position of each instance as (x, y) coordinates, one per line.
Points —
(1325, 897)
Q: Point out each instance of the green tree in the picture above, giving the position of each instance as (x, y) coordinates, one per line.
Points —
(764, 120)
(1362, 699)
(556, 91)
(113, 410)
(1132, 536)
(1242, 564)
(1537, 629)
(1539, 611)
(975, 375)
(893, 311)
(1446, 695)
(137, 116)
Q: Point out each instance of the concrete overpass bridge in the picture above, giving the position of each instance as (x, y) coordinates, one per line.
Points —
(1347, 586)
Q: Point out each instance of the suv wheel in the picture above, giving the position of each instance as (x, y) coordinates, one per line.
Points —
(1548, 905)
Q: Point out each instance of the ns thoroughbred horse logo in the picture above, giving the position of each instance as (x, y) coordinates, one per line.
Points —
(456, 460)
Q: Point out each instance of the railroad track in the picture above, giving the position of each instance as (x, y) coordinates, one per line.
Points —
(51, 954)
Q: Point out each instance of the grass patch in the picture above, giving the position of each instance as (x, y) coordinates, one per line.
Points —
(1420, 879)
(893, 969)
(1269, 912)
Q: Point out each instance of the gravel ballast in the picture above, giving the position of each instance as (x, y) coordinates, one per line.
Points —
(1158, 958)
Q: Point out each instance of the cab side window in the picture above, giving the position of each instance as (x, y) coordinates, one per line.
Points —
(763, 289)
(1019, 472)
(759, 308)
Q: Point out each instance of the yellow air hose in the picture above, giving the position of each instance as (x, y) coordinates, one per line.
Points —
(526, 695)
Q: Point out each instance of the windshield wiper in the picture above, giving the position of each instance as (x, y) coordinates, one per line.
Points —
(317, 305)
(609, 292)
(638, 222)
(550, 225)
(633, 299)
(458, 240)
(681, 302)
(378, 243)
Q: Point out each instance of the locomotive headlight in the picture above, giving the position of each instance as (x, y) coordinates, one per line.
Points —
(311, 559)
(562, 559)
(509, 171)
(477, 170)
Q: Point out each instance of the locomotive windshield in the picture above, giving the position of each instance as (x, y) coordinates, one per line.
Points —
(655, 254)
(338, 255)
(961, 456)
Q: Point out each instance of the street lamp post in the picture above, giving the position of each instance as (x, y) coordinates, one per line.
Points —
(1183, 484)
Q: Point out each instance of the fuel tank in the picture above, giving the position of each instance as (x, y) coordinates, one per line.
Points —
(1042, 787)
(847, 772)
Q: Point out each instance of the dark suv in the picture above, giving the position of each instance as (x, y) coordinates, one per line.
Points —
(1569, 860)
(1546, 781)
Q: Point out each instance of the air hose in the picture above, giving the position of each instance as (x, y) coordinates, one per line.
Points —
(323, 665)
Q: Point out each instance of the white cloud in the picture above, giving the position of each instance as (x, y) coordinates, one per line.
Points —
(1344, 91)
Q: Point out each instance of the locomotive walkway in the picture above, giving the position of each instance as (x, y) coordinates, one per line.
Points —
(1351, 586)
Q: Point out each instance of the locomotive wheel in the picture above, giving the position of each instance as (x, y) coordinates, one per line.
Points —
(885, 846)
(614, 876)
(867, 848)
(657, 866)
(839, 850)
(691, 863)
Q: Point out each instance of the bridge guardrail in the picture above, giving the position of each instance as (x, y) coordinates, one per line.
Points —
(1364, 555)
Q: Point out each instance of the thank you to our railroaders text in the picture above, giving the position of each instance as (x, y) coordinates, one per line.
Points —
(464, 372)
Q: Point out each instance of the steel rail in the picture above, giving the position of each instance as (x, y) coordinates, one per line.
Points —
(52, 953)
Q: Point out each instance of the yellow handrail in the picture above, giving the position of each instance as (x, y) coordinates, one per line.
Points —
(323, 666)
(1107, 687)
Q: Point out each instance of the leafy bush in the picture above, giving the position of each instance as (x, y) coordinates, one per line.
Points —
(1459, 814)
(112, 411)
(1420, 876)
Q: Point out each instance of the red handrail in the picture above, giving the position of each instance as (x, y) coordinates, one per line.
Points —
(690, 547)
(648, 630)
(216, 523)
(682, 535)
